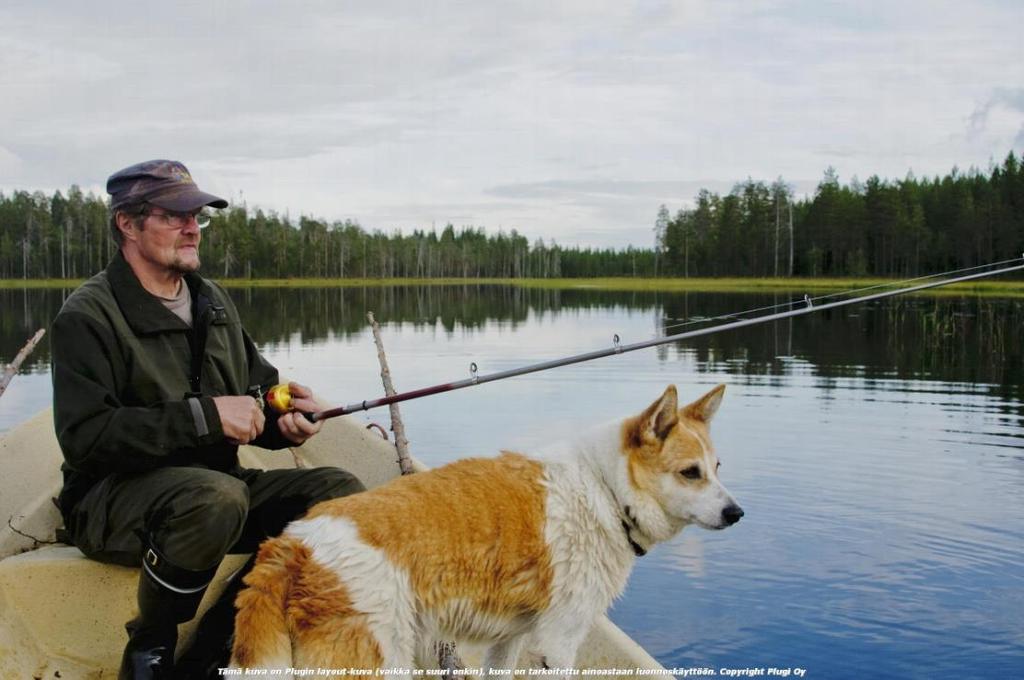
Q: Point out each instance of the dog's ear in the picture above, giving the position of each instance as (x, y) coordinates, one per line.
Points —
(660, 417)
(704, 408)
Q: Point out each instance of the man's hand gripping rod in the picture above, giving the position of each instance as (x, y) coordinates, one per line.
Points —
(279, 397)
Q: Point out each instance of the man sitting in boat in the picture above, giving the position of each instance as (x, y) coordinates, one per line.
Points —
(154, 382)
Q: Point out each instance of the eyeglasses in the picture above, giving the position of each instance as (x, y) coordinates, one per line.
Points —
(179, 220)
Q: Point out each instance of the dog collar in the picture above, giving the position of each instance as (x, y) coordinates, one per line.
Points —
(628, 524)
(637, 550)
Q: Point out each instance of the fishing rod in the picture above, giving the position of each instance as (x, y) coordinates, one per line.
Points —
(828, 296)
(280, 398)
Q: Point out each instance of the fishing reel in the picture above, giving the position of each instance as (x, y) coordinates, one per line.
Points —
(279, 399)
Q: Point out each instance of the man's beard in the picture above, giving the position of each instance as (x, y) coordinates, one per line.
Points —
(181, 267)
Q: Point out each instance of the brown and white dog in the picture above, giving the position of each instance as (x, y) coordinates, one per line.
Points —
(515, 552)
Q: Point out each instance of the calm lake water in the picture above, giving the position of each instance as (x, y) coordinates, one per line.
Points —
(877, 450)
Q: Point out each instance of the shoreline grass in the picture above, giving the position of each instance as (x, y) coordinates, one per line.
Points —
(1000, 288)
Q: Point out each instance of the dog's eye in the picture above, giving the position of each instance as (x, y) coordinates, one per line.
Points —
(718, 466)
(692, 472)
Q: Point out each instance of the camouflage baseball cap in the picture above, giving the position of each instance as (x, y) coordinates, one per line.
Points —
(165, 184)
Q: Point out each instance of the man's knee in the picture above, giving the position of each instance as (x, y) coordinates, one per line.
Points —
(332, 482)
(203, 520)
(214, 493)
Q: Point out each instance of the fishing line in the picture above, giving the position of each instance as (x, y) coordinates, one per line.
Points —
(805, 299)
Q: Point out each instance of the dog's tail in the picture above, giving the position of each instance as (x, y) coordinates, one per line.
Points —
(262, 639)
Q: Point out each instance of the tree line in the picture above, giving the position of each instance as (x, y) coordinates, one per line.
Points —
(67, 236)
(878, 228)
(875, 228)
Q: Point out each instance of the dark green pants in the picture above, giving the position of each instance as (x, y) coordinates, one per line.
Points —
(194, 516)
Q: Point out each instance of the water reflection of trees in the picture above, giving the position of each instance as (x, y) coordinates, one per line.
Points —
(956, 339)
(966, 339)
(273, 315)
(23, 313)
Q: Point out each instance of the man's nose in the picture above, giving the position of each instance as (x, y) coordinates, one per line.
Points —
(191, 226)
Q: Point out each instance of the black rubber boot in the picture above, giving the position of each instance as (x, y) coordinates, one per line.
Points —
(167, 595)
(211, 645)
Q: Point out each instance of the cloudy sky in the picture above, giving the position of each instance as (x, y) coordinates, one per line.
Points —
(572, 120)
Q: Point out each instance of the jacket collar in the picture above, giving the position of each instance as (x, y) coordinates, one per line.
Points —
(143, 310)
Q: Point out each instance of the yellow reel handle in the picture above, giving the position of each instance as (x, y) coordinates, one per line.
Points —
(280, 398)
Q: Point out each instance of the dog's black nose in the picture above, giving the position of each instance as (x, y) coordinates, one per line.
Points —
(731, 514)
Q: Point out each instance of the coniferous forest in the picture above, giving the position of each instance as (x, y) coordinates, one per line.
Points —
(878, 227)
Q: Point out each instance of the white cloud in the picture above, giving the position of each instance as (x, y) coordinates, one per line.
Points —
(999, 119)
(573, 121)
(10, 164)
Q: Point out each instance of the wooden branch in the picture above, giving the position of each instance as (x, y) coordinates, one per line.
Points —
(13, 367)
(36, 541)
(401, 443)
(447, 656)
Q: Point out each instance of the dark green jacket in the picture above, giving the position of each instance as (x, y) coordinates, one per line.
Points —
(122, 396)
